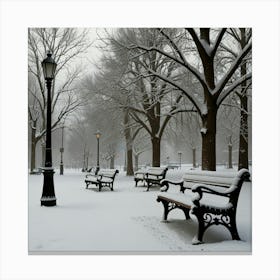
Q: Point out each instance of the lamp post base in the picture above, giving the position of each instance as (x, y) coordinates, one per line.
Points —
(48, 197)
(48, 201)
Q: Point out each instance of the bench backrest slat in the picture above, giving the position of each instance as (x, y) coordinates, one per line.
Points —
(156, 170)
(232, 181)
(209, 178)
(108, 172)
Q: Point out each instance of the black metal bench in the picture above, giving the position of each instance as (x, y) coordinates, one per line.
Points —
(150, 176)
(207, 196)
(104, 178)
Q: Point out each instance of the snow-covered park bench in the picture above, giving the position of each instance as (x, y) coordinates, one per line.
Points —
(173, 166)
(210, 197)
(104, 178)
(150, 176)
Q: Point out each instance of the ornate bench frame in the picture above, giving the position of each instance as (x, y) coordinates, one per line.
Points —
(207, 214)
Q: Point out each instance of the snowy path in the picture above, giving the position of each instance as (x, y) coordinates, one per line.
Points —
(127, 220)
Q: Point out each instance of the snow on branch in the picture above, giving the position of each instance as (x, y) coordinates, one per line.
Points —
(176, 85)
(138, 110)
(218, 41)
(203, 47)
(183, 63)
(232, 87)
(138, 120)
(222, 83)
(173, 44)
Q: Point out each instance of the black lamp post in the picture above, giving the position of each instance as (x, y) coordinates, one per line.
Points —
(98, 135)
(180, 158)
(48, 196)
(61, 152)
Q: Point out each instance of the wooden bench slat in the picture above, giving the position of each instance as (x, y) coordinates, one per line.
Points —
(178, 199)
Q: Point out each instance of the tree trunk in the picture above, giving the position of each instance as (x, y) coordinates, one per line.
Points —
(208, 133)
(84, 161)
(33, 149)
(194, 157)
(129, 141)
(129, 161)
(156, 151)
(229, 156)
(136, 161)
(243, 135)
(112, 162)
(124, 166)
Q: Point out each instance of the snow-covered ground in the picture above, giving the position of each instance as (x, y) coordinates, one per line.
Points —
(127, 220)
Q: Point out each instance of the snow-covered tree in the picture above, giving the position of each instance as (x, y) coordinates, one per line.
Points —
(153, 102)
(201, 64)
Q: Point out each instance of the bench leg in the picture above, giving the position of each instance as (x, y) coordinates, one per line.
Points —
(233, 228)
(201, 230)
(166, 210)
(148, 186)
(201, 226)
(112, 187)
(186, 212)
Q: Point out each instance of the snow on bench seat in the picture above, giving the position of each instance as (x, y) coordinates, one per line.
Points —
(151, 175)
(185, 199)
(104, 178)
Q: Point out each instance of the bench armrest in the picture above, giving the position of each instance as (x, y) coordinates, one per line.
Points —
(199, 189)
(210, 189)
(165, 185)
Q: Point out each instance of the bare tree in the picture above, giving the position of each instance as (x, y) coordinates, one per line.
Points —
(228, 124)
(140, 145)
(66, 44)
(153, 102)
(242, 37)
(215, 87)
(243, 161)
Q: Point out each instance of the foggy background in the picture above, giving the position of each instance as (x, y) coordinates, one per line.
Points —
(81, 124)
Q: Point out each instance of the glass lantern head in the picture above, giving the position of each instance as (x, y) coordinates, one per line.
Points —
(49, 67)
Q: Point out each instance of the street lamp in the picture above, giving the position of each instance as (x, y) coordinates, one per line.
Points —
(61, 152)
(48, 196)
(180, 158)
(98, 135)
